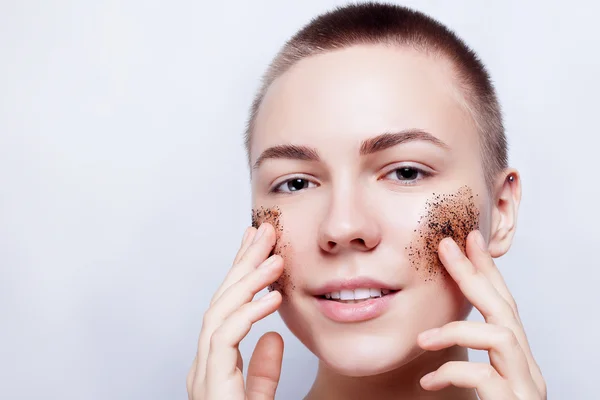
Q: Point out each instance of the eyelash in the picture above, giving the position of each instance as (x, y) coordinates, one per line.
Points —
(420, 172)
(274, 190)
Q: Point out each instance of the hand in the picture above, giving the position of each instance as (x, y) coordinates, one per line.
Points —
(512, 372)
(217, 370)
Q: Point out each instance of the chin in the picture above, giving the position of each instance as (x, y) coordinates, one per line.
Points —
(356, 350)
(365, 356)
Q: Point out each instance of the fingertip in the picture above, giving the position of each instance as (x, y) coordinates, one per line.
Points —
(427, 380)
(278, 296)
(448, 244)
(271, 301)
(272, 339)
(270, 297)
(477, 250)
(265, 235)
(446, 241)
(479, 240)
(472, 248)
(246, 235)
(251, 233)
(449, 250)
(429, 334)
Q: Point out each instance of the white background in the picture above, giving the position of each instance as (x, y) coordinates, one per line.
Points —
(124, 190)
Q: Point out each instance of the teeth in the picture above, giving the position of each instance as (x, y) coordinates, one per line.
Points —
(360, 294)
(357, 294)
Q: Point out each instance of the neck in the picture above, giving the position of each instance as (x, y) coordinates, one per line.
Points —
(401, 383)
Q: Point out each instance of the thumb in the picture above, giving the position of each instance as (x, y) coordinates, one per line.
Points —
(264, 369)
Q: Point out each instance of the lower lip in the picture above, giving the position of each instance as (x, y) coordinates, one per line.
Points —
(355, 312)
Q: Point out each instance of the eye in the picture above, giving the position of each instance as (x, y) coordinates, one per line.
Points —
(293, 185)
(408, 175)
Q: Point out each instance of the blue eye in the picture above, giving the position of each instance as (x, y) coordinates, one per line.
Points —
(293, 185)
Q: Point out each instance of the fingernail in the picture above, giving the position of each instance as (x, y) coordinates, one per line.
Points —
(261, 231)
(427, 336)
(480, 241)
(452, 248)
(269, 296)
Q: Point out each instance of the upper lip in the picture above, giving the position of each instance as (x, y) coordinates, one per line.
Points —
(351, 284)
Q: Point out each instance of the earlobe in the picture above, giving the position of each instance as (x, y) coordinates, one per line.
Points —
(507, 198)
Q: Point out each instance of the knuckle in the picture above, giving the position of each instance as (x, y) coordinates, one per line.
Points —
(217, 339)
(208, 319)
(244, 287)
(507, 338)
(447, 367)
(204, 338)
(487, 372)
(500, 311)
(242, 314)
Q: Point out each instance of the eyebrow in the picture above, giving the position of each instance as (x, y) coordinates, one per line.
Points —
(287, 151)
(368, 146)
(387, 140)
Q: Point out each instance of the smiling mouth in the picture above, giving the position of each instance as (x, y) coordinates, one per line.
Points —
(356, 295)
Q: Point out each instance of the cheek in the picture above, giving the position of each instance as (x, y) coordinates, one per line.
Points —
(452, 215)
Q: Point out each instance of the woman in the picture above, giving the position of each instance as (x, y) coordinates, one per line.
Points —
(381, 194)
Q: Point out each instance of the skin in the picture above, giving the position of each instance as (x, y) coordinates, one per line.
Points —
(353, 216)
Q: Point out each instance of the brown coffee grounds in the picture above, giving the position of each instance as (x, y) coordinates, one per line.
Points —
(446, 215)
(273, 216)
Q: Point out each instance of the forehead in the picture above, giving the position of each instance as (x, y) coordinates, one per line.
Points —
(348, 95)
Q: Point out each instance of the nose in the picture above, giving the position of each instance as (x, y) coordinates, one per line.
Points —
(349, 224)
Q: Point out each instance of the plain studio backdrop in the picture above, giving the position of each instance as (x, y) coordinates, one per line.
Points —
(124, 190)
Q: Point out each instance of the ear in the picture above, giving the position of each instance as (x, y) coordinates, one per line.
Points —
(507, 198)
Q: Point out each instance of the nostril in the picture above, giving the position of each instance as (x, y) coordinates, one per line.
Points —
(330, 245)
(360, 242)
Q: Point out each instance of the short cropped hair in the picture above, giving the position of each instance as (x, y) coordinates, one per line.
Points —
(381, 23)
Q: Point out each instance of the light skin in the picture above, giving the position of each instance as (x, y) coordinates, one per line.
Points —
(352, 214)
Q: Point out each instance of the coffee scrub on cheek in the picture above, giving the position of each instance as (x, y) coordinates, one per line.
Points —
(452, 215)
(272, 215)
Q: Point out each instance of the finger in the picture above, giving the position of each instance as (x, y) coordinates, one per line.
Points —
(189, 381)
(473, 284)
(249, 235)
(264, 369)
(233, 298)
(505, 353)
(258, 250)
(464, 374)
(246, 241)
(222, 357)
(479, 255)
(244, 290)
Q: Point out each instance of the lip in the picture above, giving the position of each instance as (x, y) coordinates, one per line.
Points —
(355, 312)
(351, 284)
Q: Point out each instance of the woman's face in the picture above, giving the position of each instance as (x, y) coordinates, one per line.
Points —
(356, 212)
